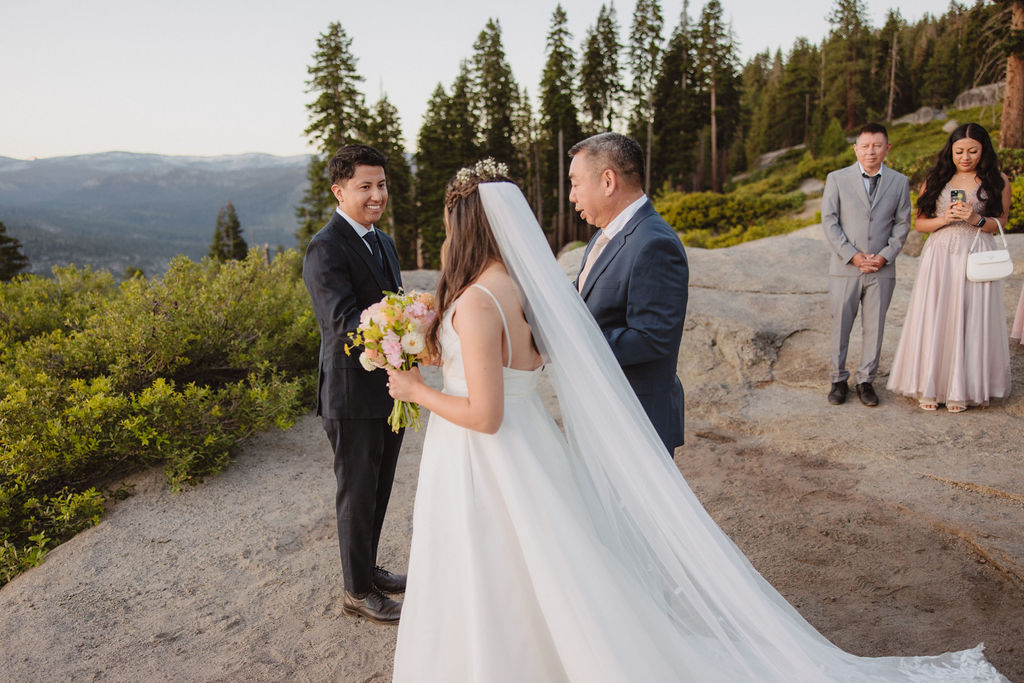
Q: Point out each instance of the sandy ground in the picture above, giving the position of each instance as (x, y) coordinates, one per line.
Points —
(896, 536)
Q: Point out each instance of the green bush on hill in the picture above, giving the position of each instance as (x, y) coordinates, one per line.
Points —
(98, 379)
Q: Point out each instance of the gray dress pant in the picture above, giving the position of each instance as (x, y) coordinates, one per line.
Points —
(871, 294)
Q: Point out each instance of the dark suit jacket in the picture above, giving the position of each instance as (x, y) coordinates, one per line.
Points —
(343, 279)
(637, 292)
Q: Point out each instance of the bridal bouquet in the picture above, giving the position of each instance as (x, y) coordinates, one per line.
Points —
(392, 333)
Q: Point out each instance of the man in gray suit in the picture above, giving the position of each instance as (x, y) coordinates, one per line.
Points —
(865, 211)
(634, 278)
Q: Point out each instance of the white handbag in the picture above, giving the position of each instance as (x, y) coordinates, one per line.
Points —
(986, 266)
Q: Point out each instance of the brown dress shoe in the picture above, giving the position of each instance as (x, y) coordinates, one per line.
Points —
(386, 582)
(374, 606)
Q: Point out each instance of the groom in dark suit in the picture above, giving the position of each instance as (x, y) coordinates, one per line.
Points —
(634, 277)
(347, 267)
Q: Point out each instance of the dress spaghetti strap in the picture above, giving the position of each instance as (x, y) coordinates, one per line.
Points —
(504, 323)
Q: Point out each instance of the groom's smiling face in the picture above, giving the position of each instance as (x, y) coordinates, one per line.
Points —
(363, 196)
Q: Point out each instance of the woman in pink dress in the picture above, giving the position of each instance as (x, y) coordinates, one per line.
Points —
(954, 349)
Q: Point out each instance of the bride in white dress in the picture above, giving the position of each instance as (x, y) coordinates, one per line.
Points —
(541, 556)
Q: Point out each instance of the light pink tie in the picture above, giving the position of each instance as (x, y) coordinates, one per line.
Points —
(599, 246)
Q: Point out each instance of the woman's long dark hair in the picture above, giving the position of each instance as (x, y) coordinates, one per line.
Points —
(987, 170)
(468, 247)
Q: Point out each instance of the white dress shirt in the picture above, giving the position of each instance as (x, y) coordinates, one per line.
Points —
(619, 222)
(360, 230)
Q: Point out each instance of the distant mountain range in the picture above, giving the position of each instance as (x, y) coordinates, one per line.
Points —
(119, 209)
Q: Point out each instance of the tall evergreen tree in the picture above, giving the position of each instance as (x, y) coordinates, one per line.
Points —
(893, 66)
(644, 61)
(847, 62)
(228, 242)
(560, 122)
(528, 144)
(717, 66)
(447, 141)
(676, 111)
(337, 117)
(384, 133)
(12, 258)
(601, 86)
(798, 92)
(496, 94)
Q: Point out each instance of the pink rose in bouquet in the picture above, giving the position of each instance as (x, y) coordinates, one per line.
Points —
(393, 333)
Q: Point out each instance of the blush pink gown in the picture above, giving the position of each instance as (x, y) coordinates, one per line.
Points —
(954, 347)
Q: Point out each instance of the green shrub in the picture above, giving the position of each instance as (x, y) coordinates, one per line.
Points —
(705, 239)
(97, 380)
(1016, 220)
(31, 305)
(717, 213)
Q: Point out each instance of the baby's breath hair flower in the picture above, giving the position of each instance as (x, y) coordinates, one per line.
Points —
(467, 179)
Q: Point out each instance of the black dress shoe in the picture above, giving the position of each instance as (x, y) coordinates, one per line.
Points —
(866, 394)
(386, 582)
(837, 396)
(374, 606)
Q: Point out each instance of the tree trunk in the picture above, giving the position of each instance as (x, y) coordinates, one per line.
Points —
(1011, 130)
(851, 103)
(807, 118)
(892, 75)
(537, 182)
(562, 240)
(714, 137)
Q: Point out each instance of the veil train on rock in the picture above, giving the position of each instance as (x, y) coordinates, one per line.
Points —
(646, 514)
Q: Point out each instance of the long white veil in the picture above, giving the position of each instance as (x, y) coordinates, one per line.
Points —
(645, 510)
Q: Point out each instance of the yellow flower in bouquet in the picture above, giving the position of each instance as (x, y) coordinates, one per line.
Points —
(393, 333)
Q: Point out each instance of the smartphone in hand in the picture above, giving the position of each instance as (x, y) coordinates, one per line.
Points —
(958, 196)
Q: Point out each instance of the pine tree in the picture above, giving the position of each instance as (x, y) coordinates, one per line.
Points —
(447, 142)
(560, 122)
(227, 241)
(798, 91)
(337, 117)
(676, 107)
(717, 67)
(644, 56)
(528, 144)
(601, 86)
(384, 133)
(12, 258)
(496, 94)
(847, 62)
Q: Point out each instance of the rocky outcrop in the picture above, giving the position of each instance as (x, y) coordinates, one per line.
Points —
(893, 531)
(922, 115)
(982, 96)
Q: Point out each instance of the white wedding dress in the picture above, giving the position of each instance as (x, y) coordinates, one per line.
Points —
(541, 556)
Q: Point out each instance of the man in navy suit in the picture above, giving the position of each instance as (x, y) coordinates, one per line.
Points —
(347, 267)
(634, 276)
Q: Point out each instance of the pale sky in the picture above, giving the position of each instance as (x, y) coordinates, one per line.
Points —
(211, 77)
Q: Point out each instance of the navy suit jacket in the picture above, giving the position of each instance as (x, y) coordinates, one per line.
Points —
(343, 279)
(637, 291)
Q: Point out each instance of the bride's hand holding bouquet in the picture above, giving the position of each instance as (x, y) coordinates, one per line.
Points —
(392, 334)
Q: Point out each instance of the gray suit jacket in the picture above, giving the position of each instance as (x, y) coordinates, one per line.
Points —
(853, 222)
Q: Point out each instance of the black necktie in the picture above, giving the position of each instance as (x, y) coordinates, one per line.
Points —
(872, 183)
(374, 243)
